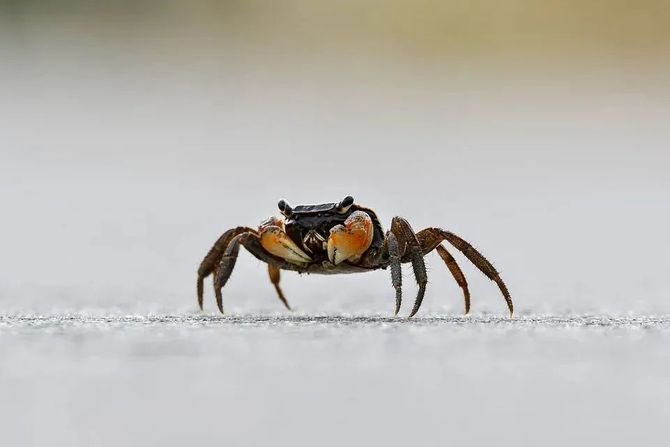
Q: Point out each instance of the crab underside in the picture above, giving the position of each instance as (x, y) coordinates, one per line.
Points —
(341, 237)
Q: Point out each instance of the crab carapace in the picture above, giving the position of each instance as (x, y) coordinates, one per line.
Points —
(341, 237)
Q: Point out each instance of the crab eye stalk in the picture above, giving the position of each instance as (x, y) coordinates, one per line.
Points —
(285, 208)
(345, 204)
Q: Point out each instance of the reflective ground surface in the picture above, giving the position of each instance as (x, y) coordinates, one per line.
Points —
(249, 379)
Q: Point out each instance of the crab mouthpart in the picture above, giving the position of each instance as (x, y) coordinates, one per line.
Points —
(313, 242)
(351, 240)
(276, 242)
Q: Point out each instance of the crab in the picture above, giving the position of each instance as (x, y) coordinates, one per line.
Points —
(342, 237)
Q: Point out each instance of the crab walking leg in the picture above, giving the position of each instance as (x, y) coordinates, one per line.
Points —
(410, 249)
(457, 273)
(213, 257)
(274, 278)
(419, 267)
(396, 269)
(226, 267)
(250, 241)
(432, 237)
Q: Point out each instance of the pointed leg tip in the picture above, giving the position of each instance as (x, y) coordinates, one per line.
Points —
(287, 306)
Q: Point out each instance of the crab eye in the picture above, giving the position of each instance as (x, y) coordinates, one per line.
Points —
(285, 208)
(345, 204)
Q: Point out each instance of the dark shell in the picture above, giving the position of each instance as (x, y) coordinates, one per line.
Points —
(314, 209)
(309, 227)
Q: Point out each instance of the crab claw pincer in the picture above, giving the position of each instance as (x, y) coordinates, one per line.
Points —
(277, 242)
(351, 240)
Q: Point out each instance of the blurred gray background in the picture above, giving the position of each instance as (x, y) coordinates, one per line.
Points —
(133, 133)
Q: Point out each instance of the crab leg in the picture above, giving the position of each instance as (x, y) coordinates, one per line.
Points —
(410, 249)
(226, 266)
(396, 269)
(250, 241)
(274, 278)
(213, 258)
(430, 238)
(457, 273)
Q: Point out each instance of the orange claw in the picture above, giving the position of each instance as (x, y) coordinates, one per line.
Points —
(276, 241)
(351, 240)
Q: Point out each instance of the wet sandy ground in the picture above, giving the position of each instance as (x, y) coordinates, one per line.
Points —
(92, 322)
(75, 379)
